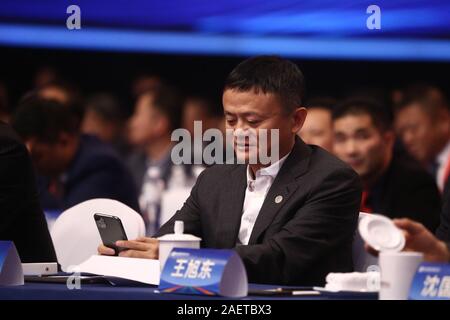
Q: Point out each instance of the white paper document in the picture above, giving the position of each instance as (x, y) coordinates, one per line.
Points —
(140, 270)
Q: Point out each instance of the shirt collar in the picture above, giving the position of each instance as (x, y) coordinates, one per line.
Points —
(444, 154)
(271, 170)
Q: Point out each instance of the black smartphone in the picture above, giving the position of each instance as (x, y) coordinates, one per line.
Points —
(111, 230)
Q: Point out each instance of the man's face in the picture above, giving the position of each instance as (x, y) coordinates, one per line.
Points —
(417, 132)
(144, 123)
(245, 110)
(49, 159)
(318, 128)
(360, 144)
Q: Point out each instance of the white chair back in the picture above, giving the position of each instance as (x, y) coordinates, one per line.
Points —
(75, 234)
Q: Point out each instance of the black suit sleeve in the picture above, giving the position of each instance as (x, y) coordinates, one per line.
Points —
(326, 221)
(21, 218)
(422, 201)
(443, 232)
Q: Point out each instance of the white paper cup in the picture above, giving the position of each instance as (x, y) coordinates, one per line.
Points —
(166, 246)
(397, 273)
(178, 239)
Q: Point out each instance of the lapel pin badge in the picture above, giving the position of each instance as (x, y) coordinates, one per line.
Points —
(278, 199)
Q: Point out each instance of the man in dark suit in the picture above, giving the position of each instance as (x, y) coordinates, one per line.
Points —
(422, 121)
(443, 231)
(73, 167)
(21, 218)
(292, 221)
(395, 187)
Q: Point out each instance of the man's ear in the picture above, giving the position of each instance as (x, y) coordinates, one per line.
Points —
(299, 117)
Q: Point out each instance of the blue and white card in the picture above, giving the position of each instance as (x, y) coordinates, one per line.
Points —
(208, 272)
(431, 282)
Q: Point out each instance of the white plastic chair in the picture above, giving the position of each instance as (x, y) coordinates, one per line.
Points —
(75, 234)
(361, 258)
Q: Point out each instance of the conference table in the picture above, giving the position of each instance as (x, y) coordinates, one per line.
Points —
(99, 291)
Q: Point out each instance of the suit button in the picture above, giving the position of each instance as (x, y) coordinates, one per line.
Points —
(278, 199)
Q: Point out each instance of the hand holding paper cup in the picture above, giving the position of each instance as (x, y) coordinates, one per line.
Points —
(397, 268)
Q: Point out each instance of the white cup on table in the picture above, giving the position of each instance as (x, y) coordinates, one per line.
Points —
(178, 239)
(397, 272)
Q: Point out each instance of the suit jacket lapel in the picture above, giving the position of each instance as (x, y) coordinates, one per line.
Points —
(282, 187)
(230, 219)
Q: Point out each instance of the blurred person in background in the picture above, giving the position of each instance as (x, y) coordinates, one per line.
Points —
(156, 115)
(422, 121)
(73, 167)
(21, 218)
(203, 109)
(200, 108)
(318, 126)
(443, 232)
(145, 83)
(45, 75)
(104, 118)
(65, 93)
(364, 138)
(61, 91)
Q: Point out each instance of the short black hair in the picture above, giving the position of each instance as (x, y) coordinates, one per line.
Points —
(380, 114)
(428, 97)
(107, 106)
(73, 93)
(168, 101)
(44, 119)
(269, 74)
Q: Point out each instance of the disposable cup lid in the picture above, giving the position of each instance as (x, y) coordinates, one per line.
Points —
(178, 234)
(178, 237)
(380, 233)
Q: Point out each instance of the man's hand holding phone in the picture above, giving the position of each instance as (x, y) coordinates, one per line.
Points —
(143, 247)
(115, 240)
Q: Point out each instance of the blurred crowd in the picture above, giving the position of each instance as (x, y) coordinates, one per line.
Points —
(86, 147)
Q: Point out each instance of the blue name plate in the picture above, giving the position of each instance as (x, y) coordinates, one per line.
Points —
(431, 282)
(11, 272)
(208, 272)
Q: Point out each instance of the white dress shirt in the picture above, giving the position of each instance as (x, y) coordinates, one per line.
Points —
(255, 194)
